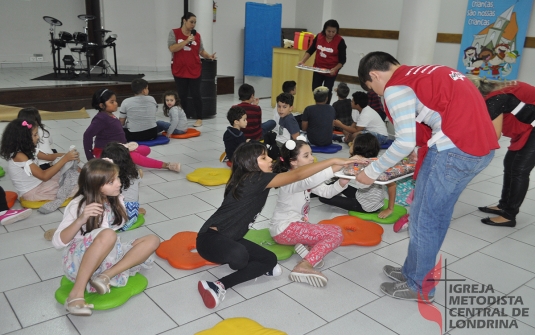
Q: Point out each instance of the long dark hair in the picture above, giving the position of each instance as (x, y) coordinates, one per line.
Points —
(120, 155)
(32, 114)
(366, 145)
(95, 174)
(18, 138)
(177, 101)
(100, 97)
(283, 164)
(244, 165)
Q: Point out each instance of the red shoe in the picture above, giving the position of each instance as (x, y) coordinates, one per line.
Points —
(402, 223)
(14, 215)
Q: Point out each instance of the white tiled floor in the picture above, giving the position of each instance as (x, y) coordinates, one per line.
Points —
(350, 304)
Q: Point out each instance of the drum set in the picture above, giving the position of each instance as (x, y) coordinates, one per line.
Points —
(82, 47)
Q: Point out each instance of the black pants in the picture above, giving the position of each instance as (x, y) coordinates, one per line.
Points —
(517, 168)
(248, 258)
(192, 86)
(349, 202)
(3, 201)
(145, 135)
(319, 79)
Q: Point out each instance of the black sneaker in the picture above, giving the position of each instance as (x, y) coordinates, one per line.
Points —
(212, 293)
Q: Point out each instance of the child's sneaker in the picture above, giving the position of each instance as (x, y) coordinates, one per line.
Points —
(212, 293)
(402, 223)
(302, 251)
(277, 271)
(14, 215)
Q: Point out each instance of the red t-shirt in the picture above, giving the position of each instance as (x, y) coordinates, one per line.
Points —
(327, 52)
(518, 131)
(253, 130)
(186, 62)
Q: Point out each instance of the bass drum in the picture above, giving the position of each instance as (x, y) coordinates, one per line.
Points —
(65, 36)
(80, 37)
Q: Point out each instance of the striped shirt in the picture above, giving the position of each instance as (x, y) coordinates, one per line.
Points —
(404, 107)
(372, 198)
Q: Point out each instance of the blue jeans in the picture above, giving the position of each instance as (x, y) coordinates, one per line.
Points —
(441, 179)
(381, 138)
(163, 126)
(268, 126)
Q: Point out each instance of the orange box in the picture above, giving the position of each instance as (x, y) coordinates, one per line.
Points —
(303, 40)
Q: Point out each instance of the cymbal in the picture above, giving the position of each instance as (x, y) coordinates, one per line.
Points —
(52, 21)
(104, 31)
(86, 17)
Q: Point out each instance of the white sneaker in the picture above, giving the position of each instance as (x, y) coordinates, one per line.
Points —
(277, 271)
(302, 251)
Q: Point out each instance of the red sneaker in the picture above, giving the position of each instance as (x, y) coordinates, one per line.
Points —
(212, 293)
(402, 223)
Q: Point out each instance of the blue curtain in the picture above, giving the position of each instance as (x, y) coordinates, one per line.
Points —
(263, 25)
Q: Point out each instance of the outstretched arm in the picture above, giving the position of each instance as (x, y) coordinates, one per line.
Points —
(308, 170)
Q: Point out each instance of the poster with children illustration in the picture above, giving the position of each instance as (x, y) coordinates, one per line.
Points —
(493, 38)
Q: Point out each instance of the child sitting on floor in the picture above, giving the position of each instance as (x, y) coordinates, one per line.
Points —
(94, 257)
(19, 144)
(234, 136)
(342, 107)
(105, 128)
(287, 126)
(256, 129)
(318, 119)
(138, 113)
(130, 177)
(369, 199)
(172, 109)
(289, 223)
(45, 139)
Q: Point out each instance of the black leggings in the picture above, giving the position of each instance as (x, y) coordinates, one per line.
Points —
(192, 86)
(319, 79)
(145, 135)
(517, 169)
(349, 202)
(248, 258)
(3, 201)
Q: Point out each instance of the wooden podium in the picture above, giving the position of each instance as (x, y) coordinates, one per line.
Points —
(284, 62)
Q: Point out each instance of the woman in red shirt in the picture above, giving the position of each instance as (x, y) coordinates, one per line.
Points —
(185, 44)
(330, 49)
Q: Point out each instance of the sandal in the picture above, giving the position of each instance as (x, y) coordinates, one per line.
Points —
(174, 167)
(83, 310)
(100, 283)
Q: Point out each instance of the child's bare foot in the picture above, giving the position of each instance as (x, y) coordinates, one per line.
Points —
(140, 173)
(142, 211)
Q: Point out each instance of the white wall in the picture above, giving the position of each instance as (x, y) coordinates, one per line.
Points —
(142, 27)
(386, 15)
(23, 32)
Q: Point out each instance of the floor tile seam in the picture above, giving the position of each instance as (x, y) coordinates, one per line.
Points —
(163, 311)
(13, 310)
(299, 303)
(215, 207)
(491, 242)
(377, 320)
(506, 261)
(34, 270)
(1, 259)
(206, 189)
